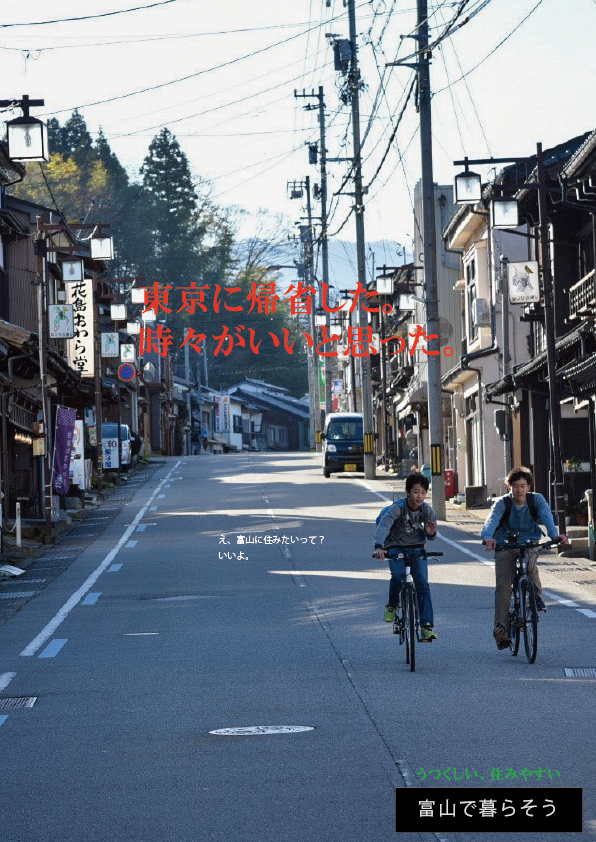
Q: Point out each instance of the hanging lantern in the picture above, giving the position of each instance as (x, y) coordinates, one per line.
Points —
(118, 312)
(73, 270)
(102, 247)
(27, 139)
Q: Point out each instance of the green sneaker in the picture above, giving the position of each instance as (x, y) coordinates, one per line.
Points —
(428, 633)
(389, 615)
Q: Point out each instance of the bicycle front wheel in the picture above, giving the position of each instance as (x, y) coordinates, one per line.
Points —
(514, 614)
(410, 629)
(529, 614)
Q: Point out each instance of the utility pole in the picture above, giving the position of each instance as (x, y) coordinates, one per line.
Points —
(309, 273)
(323, 238)
(365, 375)
(550, 329)
(506, 358)
(435, 400)
(43, 376)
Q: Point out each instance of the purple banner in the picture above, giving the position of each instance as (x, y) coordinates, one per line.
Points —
(65, 424)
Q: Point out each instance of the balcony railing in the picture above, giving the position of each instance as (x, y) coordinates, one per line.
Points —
(582, 296)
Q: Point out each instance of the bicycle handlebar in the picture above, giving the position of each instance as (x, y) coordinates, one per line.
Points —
(530, 545)
(426, 555)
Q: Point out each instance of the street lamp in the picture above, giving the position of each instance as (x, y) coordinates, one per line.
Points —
(102, 247)
(467, 187)
(504, 212)
(27, 136)
(137, 295)
(118, 312)
(73, 270)
(385, 284)
(320, 317)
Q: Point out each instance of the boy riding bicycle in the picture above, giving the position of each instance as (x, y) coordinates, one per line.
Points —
(519, 512)
(404, 528)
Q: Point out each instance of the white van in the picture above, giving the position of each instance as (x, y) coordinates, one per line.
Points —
(109, 440)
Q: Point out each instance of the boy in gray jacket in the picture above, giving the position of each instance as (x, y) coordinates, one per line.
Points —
(404, 528)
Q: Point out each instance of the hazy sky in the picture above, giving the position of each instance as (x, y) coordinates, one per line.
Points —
(240, 125)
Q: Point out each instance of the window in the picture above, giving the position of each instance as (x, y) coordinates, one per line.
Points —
(345, 430)
(472, 293)
(237, 423)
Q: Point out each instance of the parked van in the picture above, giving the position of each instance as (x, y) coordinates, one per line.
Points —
(109, 440)
(343, 443)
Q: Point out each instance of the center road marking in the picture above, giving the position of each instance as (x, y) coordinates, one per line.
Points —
(76, 597)
(53, 648)
(5, 679)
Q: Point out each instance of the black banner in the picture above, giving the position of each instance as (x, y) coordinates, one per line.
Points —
(489, 810)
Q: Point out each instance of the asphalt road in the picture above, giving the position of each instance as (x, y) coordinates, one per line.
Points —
(159, 633)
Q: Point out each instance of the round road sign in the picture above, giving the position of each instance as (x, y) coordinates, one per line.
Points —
(126, 372)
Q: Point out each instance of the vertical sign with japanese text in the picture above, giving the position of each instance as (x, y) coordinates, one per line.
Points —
(80, 348)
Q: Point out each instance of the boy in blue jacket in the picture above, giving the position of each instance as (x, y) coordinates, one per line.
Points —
(404, 528)
(521, 512)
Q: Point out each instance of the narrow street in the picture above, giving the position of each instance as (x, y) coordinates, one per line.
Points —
(158, 634)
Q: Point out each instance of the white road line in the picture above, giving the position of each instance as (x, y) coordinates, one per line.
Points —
(131, 544)
(76, 597)
(464, 550)
(5, 679)
(587, 612)
(569, 603)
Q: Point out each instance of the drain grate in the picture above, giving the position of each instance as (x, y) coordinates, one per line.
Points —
(17, 702)
(579, 672)
(18, 594)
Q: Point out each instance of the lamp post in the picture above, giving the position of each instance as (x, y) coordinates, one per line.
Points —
(504, 214)
(27, 136)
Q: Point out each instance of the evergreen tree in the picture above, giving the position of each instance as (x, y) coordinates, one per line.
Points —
(77, 142)
(109, 159)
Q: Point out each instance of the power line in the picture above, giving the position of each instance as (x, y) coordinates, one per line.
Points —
(211, 110)
(494, 50)
(89, 17)
(180, 79)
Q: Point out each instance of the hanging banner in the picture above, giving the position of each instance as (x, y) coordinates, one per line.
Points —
(109, 345)
(524, 287)
(80, 348)
(77, 457)
(337, 387)
(225, 413)
(65, 424)
(218, 413)
(60, 324)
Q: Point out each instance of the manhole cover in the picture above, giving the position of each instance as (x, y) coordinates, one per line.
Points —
(17, 702)
(578, 672)
(259, 730)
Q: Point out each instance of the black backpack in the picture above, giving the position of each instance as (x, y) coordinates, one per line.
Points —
(508, 501)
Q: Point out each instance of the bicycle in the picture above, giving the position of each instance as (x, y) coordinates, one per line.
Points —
(523, 613)
(407, 619)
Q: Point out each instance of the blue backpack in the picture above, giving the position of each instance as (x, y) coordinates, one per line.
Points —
(386, 509)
